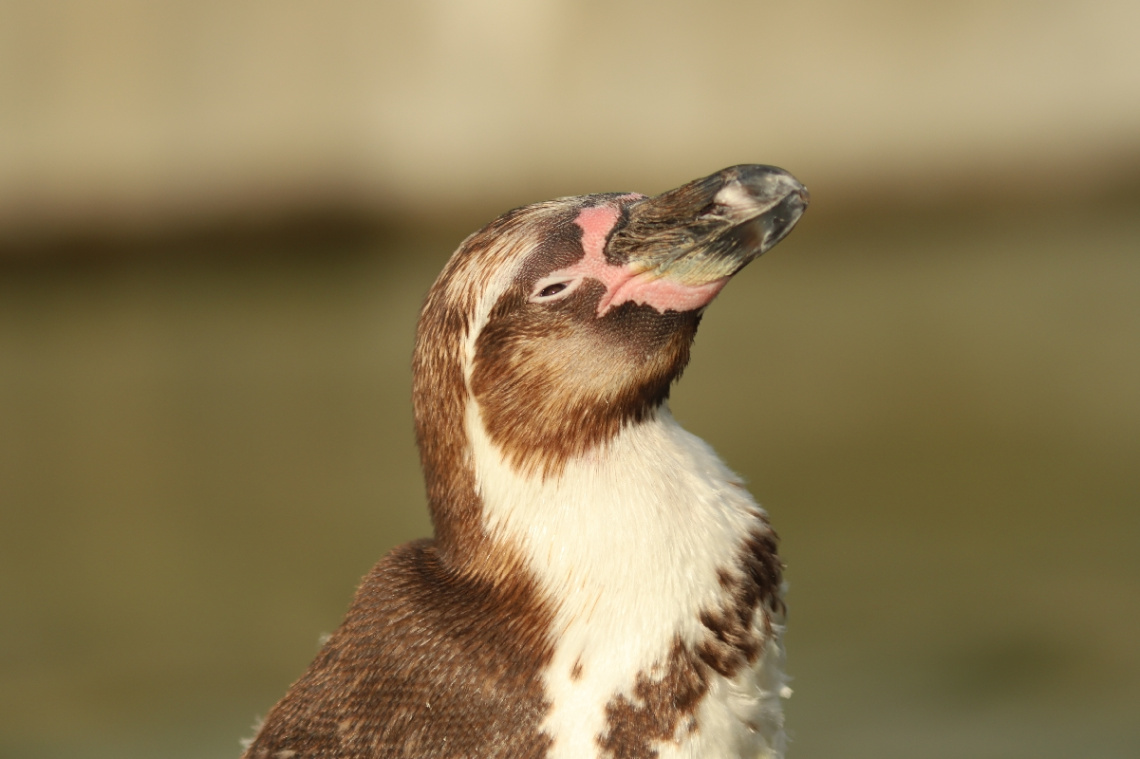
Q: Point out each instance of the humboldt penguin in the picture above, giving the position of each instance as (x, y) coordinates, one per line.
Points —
(599, 584)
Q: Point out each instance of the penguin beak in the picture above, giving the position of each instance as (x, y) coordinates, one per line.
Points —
(709, 229)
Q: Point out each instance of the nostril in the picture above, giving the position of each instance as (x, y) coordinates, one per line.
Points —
(716, 209)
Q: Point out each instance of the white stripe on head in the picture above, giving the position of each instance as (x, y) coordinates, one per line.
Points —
(505, 269)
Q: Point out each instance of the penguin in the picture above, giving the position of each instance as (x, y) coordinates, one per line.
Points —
(599, 583)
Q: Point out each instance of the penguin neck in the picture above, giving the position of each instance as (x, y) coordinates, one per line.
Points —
(620, 520)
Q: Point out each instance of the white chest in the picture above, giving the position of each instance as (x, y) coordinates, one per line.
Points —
(635, 544)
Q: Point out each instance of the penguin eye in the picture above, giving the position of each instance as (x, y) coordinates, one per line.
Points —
(552, 289)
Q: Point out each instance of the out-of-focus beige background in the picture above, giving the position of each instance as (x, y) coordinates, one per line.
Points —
(217, 221)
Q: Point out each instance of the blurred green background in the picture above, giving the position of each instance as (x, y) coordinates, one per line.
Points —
(217, 221)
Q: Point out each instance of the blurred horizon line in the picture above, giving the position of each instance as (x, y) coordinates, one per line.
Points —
(316, 212)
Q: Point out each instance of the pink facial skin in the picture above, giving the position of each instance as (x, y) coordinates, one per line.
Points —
(623, 282)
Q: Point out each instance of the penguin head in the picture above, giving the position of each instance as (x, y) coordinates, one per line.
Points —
(560, 322)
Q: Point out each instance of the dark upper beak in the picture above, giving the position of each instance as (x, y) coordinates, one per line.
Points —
(710, 228)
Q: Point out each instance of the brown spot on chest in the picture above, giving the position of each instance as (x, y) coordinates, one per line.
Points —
(733, 639)
(656, 708)
(663, 705)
